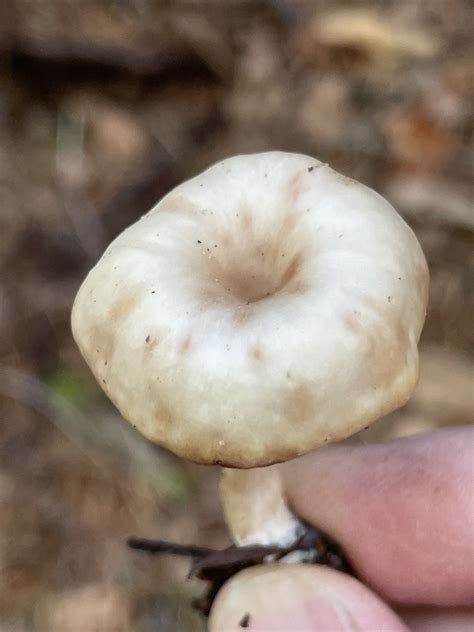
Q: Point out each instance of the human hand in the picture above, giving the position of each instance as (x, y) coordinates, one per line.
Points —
(404, 514)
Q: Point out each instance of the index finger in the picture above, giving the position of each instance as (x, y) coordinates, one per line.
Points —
(402, 511)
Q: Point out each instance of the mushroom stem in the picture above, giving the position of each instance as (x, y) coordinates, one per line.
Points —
(255, 507)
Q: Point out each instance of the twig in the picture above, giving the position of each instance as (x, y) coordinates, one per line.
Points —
(160, 546)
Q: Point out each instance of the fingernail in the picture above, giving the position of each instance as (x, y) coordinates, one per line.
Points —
(279, 598)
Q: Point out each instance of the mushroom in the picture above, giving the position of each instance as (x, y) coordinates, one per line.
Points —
(260, 310)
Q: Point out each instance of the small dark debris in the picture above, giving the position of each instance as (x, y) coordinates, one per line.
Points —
(245, 621)
(153, 291)
(389, 299)
(105, 363)
(216, 567)
(147, 339)
(104, 381)
(310, 169)
(199, 241)
(159, 546)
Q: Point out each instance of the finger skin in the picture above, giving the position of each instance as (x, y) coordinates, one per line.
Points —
(424, 619)
(403, 512)
(300, 598)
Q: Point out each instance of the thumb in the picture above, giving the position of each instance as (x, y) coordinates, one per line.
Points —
(300, 598)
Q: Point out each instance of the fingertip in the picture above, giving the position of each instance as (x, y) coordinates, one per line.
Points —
(279, 597)
(402, 511)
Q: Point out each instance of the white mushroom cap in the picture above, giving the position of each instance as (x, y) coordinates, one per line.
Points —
(259, 310)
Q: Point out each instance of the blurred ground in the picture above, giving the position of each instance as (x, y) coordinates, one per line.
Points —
(104, 106)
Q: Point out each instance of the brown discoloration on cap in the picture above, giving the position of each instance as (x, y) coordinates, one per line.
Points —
(299, 405)
(162, 415)
(101, 342)
(243, 278)
(252, 267)
(263, 272)
(180, 204)
(245, 282)
(185, 344)
(297, 286)
(295, 187)
(225, 240)
(382, 339)
(353, 323)
(292, 270)
(399, 332)
(386, 357)
(388, 319)
(257, 353)
(390, 356)
(423, 282)
(125, 305)
(98, 348)
(246, 222)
